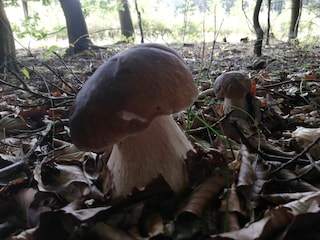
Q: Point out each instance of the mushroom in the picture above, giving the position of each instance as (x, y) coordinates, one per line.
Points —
(233, 87)
(127, 103)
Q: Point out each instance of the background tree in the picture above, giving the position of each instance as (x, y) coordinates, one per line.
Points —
(7, 47)
(125, 20)
(277, 6)
(258, 29)
(268, 24)
(295, 16)
(139, 20)
(77, 28)
(25, 8)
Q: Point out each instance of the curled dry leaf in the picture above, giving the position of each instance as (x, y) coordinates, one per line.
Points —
(63, 176)
(204, 193)
(305, 204)
(305, 136)
(253, 87)
(282, 198)
(230, 202)
(279, 219)
(25, 235)
(151, 223)
(230, 207)
(304, 226)
(267, 228)
(309, 173)
(10, 124)
(25, 197)
(287, 181)
(103, 231)
(247, 174)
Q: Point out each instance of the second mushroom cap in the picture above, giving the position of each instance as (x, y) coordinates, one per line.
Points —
(232, 85)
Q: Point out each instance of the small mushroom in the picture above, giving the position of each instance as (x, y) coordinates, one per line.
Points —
(233, 87)
(127, 103)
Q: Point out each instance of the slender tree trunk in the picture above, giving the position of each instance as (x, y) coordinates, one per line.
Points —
(125, 20)
(258, 29)
(185, 18)
(7, 47)
(268, 28)
(76, 25)
(295, 17)
(139, 20)
(25, 8)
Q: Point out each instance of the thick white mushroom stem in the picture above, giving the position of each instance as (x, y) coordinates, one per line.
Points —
(230, 104)
(138, 159)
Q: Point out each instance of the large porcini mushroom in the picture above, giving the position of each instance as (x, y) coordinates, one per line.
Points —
(233, 87)
(127, 103)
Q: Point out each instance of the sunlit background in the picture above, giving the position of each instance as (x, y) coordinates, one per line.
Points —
(164, 21)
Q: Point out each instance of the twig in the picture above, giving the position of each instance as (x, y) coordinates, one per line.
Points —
(286, 82)
(313, 163)
(216, 34)
(206, 93)
(19, 79)
(305, 150)
(24, 89)
(65, 65)
(60, 78)
(262, 154)
(43, 78)
(42, 134)
(14, 168)
(301, 175)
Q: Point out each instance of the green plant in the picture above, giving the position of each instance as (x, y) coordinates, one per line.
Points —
(31, 26)
(26, 73)
(53, 51)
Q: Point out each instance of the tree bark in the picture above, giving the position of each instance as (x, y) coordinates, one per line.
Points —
(125, 20)
(7, 47)
(258, 29)
(295, 17)
(77, 28)
(139, 20)
(25, 8)
(268, 26)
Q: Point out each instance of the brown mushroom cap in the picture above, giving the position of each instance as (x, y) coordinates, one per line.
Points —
(125, 93)
(232, 85)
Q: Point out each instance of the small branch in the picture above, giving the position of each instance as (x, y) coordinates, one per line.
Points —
(263, 155)
(60, 78)
(305, 150)
(313, 163)
(65, 65)
(16, 167)
(24, 89)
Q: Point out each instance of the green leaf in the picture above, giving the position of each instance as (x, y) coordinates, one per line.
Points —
(26, 73)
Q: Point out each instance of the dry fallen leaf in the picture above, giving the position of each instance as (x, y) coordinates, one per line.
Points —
(305, 136)
(267, 228)
(205, 192)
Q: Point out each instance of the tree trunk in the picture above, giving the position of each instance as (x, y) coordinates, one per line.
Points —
(76, 25)
(258, 29)
(295, 16)
(268, 27)
(25, 8)
(139, 20)
(7, 47)
(125, 20)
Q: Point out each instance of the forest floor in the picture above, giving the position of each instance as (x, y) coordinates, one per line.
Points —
(257, 179)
